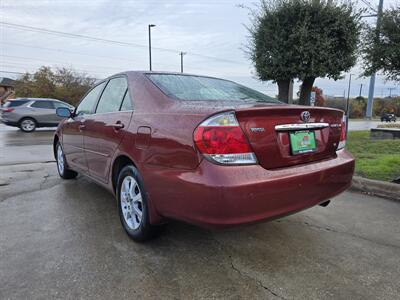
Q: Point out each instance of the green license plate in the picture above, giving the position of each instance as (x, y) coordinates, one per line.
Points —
(302, 142)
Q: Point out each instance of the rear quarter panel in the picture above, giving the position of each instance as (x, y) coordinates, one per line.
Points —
(170, 141)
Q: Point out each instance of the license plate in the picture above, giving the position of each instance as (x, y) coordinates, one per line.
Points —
(302, 142)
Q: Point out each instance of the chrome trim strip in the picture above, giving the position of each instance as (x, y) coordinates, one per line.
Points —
(304, 126)
(91, 151)
(76, 147)
(98, 153)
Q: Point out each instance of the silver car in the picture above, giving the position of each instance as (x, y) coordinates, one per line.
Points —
(30, 113)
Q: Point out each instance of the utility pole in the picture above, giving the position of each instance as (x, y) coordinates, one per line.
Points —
(390, 91)
(150, 25)
(372, 79)
(361, 86)
(182, 54)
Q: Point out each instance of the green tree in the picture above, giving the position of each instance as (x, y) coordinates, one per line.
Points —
(63, 84)
(382, 52)
(303, 39)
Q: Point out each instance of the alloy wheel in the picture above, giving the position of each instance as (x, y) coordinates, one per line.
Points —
(60, 160)
(131, 202)
(28, 125)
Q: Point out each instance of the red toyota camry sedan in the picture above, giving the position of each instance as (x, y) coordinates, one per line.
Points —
(200, 149)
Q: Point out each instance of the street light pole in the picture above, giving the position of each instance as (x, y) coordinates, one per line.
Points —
(372, 79)
(150, 25)
(182, 54)
(348, 97)
(348, 105)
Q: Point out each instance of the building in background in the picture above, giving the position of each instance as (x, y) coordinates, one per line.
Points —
(6, 89)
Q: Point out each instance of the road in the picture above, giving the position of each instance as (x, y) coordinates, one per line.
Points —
(357, 125)
(63, 239)
(17, 147)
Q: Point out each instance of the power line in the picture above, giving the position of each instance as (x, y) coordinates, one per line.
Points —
(64, 51)
(369, 5)
(83, 54)
(115, 42)
(57, 62)
(95, 68)
(30, 74)
(10, 72)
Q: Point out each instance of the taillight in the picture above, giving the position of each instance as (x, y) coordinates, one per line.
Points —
(221, 140)
(8, 109)
(342, 141)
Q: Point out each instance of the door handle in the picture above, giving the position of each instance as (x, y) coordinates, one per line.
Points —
(118, 126)
(82, 126)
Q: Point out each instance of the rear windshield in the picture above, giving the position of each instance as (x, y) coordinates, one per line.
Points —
(188, 87)
(15, 103)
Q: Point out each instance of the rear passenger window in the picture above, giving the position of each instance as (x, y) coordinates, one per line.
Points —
(43, 104)
(126, 103)
(111, 99)
(15, 103)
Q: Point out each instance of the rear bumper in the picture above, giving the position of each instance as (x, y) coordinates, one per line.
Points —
(221, 196)
(7, 122)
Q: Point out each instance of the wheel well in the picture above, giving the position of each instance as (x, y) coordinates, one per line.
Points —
(23, 118)
(55, 145)
(119, 163)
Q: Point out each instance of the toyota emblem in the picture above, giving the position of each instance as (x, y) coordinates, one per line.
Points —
(305, 116)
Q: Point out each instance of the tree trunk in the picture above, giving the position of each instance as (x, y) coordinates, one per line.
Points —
(283, 87)
(305, 91)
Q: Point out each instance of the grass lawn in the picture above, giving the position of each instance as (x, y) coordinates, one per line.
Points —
(375, 159)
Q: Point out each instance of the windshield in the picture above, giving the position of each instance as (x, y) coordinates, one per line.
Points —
(188, 87)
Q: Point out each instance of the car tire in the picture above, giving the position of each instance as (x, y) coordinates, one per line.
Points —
(27, 125)
(133, 205)
(62, 168)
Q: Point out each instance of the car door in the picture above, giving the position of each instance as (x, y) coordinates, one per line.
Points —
(73, 129)
(106, 127)
(43, 111)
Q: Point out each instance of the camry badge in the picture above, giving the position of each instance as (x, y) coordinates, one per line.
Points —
(305, 116)
(257, 129)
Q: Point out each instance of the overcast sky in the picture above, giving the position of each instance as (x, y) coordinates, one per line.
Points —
(211, 32)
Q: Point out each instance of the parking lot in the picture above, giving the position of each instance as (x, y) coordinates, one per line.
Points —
(63, 239)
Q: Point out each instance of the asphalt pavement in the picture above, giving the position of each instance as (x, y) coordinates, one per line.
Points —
(63, 239)
(357, 125)
(17, 147)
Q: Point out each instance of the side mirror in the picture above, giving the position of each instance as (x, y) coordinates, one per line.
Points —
(63, 112)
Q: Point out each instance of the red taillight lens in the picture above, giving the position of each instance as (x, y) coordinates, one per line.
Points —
(342, 142)
(221, 140)
(8, 110)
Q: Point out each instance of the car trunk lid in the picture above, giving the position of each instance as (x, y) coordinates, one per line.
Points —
(269, 129)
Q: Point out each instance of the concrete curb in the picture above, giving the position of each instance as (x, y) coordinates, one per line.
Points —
(379, 188)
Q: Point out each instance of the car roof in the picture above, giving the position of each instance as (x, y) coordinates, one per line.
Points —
(141, 72)
(35, 99)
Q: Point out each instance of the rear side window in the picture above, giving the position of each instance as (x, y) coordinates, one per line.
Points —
(111, 99)
(87, 103)
(15, 103)
(126, 103)
(187, 87)
(43, 104)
